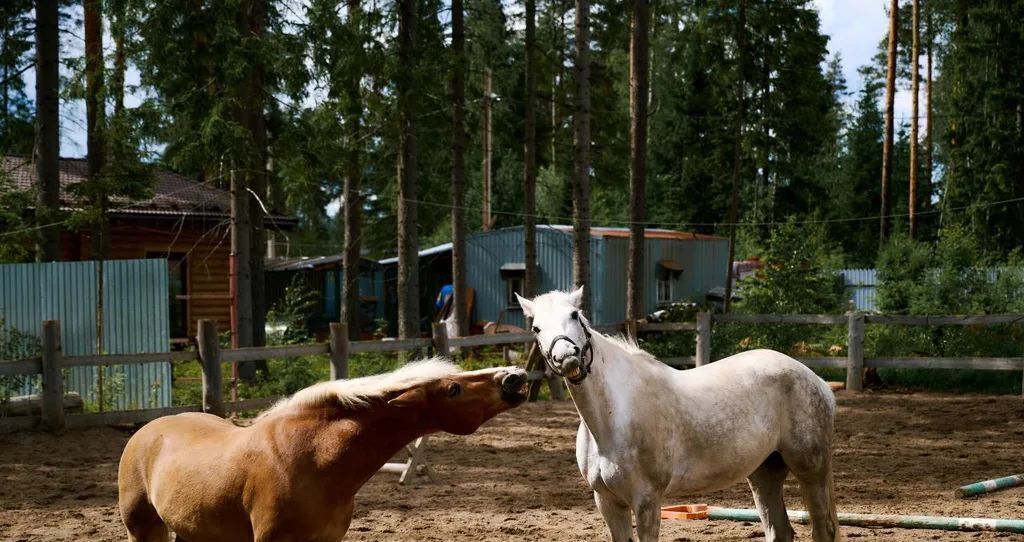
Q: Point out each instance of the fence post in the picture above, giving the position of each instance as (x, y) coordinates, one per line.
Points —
(339, 350)
(855, 351)
(209, 359)
(631, 329)
(703, 338)
(440, 336)
(53, 380)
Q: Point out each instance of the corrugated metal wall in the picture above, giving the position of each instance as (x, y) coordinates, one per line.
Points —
(704, 267)
(136, 316)
(704, 262)
(860, 285)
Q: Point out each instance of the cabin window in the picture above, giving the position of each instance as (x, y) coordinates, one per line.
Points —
(177, 289)
(667, 273)
(513, 285)
(514, 275)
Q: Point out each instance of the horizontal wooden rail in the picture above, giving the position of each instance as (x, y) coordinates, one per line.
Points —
(825, 362)
(127, 359)
(490, 340)
(829, 319)
(356, 347)
(983, 364)
(963, 320)
(667, 326)
(257, 353)
(116, 417)
(28, 366)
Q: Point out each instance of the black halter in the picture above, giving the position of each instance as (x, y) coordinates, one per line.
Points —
(586, 361)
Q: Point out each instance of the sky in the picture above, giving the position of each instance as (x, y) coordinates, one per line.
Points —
(854, 28)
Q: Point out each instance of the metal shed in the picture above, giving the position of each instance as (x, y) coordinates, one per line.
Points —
(678, 266)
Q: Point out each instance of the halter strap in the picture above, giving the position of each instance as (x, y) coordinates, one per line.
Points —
(587, 349)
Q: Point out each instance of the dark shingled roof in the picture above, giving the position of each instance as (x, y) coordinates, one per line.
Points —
(173, 195)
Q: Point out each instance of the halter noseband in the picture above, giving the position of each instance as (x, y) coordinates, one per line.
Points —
(585, 364)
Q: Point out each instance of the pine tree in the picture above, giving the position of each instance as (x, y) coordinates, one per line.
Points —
(581, 155)
(638, 89)
(408, 236)
(890, 94)
(459, 167)
(47, 130)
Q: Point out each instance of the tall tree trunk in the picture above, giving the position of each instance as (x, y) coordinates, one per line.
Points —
(241, 277)
(530, 154)
(485, 216)
(737, 156)
(408, 236)
(581, 156)
(928, 110)
(94, 126)
(638, 87)
(118, 13)
(459, 168)
(255, 30)
(47, 152)
(914, 91)
(890, 94)
(353, 206)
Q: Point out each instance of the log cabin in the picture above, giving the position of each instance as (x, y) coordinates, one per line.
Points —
(183, 221)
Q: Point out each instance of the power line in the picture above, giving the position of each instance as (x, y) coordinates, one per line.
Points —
(738, 224)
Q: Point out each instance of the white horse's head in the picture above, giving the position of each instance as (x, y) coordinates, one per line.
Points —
(562, 332)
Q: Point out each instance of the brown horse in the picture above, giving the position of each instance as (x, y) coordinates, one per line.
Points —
(293, 473)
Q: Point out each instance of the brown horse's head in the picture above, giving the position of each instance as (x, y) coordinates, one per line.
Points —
(459, 403)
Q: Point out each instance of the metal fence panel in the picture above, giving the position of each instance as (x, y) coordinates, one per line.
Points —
(136, 317)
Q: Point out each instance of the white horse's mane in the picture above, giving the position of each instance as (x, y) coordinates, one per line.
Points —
(630, 347)
(358, 392)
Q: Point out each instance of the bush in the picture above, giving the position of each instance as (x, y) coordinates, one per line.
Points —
(14, 345)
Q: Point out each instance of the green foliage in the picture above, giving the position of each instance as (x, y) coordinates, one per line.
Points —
(14, 345)
(798, 274)
(289, 315)
(16, 236)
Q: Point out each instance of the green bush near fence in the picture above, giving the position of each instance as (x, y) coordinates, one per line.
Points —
(953, 276)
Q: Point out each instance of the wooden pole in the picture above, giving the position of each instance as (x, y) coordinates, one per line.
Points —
(209, 358)
(630, 329)
(53, 380)
(440, 335)
(885, 520)
(339, 350)
(703, 338)
(855, 351)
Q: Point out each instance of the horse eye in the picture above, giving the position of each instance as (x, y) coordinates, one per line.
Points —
(536, 329)
(454, 389)
(575, 315)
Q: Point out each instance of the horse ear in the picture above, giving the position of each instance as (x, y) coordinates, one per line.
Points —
(526, 305)
(411, 397)
(576, 298)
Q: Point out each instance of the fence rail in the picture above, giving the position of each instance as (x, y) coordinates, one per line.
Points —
(339, 348)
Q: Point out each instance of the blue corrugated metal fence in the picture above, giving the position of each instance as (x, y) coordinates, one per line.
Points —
(135, 316)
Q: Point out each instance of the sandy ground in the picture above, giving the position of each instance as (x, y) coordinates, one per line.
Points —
(516, 479)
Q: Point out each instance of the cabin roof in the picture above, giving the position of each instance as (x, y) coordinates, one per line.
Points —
(173, 195)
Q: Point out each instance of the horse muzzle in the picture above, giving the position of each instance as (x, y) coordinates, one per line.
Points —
(515, 387)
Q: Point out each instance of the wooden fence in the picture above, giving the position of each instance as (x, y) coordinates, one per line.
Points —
(855, 361)
(210, 356)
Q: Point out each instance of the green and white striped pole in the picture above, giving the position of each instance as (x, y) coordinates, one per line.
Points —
(885, 520)
(988, 486)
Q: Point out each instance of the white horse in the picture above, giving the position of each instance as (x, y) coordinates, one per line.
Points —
(648, 431)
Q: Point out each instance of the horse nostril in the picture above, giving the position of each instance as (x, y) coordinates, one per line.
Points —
(576, 350)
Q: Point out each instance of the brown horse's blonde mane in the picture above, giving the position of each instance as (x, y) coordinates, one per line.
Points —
(358, 392)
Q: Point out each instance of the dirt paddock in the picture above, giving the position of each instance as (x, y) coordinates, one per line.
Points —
(516, 479)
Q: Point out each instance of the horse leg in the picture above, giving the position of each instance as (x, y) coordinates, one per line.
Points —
(616, 516)
(648, 518)
(814, 472)
(766, 484)
(142, 521)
